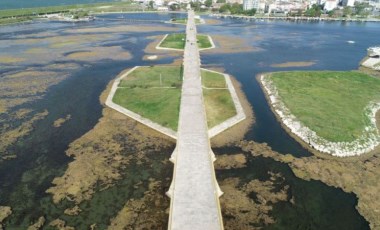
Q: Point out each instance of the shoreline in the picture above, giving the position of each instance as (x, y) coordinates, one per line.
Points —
(313, 147)
(301, 18)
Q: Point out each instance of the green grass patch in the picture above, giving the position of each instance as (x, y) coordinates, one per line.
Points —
(174, 41)
(219, 106)
(330, 103)
(157, 104)
(178, 41)
(184, 21)
(218, 102)
(142, 92)
(155, 76)
(213, 80)
(203, 41)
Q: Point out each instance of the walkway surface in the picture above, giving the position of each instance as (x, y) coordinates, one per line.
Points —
(194, 191)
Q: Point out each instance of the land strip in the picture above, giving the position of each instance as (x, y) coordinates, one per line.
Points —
(194, 191)
(338, 118)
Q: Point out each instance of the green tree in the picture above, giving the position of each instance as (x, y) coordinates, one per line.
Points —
(347, 11)
(151, 4)
(221, 1)
(314, 11)
(225, 8)
(195, 5)
(250, 12)
(236, 8)
(208, 3)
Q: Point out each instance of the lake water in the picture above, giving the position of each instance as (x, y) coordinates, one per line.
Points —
(42, 153)
(12, 4)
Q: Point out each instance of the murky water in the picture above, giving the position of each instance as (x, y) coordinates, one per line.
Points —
(41, 155)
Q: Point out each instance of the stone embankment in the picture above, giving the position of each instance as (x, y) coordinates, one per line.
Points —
(367, 142)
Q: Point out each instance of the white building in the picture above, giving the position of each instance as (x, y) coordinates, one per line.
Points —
(331, 4)
(248, 4)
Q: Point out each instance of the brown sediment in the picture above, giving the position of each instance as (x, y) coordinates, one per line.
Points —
(72, 211)
(297, 138)
(38, 224)
(98, 53)
(9, 59)
(60, 225)
(213, 21)
(10, 136)
(236, 132)
(359, 175)
(230, 161)
(241, 211)
(294, 64)
(122, 29)
(136, 215)
(25, 86)
(5, 211)
(101, 154)
(231, 44)
(60, 121)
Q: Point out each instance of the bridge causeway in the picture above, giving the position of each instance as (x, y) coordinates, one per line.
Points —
(194, 191)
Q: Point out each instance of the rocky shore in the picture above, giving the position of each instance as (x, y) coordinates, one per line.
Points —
(367, 142)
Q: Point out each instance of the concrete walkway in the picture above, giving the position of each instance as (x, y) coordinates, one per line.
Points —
(194, 191)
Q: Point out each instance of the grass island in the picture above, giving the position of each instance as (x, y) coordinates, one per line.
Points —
(154, 92)
(184, 21)
(333, 112)
(177, 41)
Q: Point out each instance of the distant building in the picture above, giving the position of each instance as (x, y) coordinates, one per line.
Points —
(348, 3)
(248, 4)
(331, 4)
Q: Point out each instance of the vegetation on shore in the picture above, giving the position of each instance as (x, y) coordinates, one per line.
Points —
(177, 41)
(154, 92)
(330, 103)
(77, 11)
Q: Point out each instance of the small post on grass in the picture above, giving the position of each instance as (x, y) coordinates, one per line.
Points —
(160, 80)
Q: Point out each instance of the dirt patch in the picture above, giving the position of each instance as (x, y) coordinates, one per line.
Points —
(72, 211)
(60, 121)
(213, 21)
(241, 211)
(231, 44)
(99, 53)
(38, 224)
(60, 225)
(237, 132)
(5, 211)
(230, 161)
(359, 175)
(293, 64)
